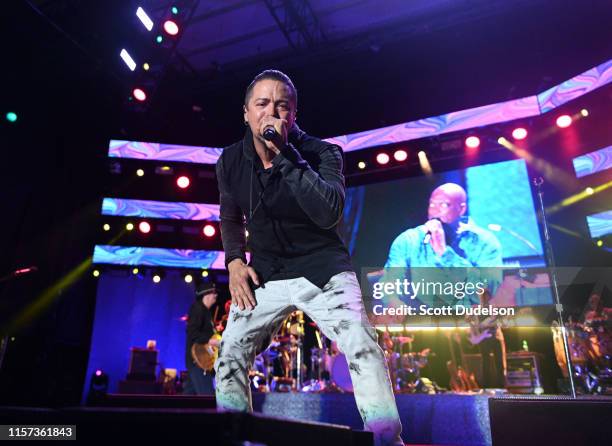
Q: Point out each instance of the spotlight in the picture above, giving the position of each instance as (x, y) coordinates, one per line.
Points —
(204, 273)
(382, 158)
(128, 59)
(361, 165)
(139, 94)
(519, 133)
(11, 116)
(156, 278)
(174, 10)
(188, 278)
(584, 112)
(135, 271)
(209, 230)
(140, 172)
(400, 155)
(146, 66)
(589, 191)
(106, 227)
(96, 273)
(129, 226)
(564, 121)
(183, 182)
(472, 142)
(144, 18)
(159, 39)
(424, 163)
(98, 387)
(144, 227)
(502, 141)
(171, 27)
(600, 243)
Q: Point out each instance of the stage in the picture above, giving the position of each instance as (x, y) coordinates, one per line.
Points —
(426, 419)
(332, 419)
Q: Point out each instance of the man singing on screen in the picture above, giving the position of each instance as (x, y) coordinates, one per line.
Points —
(286, 189)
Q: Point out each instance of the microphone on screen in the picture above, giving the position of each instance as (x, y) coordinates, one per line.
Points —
(427, 238)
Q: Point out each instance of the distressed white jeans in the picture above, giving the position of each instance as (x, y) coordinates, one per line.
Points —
(339, 312)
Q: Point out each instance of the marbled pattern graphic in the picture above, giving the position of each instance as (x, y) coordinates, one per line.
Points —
(600, 224)
(178, 258)
(160, 209)
(575, 87)
(450, 122)
(461, 120)
(163, 152)
(593, 162)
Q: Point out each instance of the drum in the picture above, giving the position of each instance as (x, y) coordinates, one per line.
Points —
(340, 374)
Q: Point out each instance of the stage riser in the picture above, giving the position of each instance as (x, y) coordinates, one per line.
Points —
(426, 419)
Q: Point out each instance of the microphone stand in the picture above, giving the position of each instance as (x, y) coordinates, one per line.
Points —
(551, 263)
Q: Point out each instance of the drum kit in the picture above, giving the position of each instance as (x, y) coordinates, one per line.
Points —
(590, 348)
(281, 367)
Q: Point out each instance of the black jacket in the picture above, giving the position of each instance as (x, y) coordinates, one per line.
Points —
(199, 328)
(290, 210)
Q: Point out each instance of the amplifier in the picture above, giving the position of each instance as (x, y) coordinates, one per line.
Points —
(523, 372)
(143, 363)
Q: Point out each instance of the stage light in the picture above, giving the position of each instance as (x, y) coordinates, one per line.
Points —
(128, 59)
(204, 273)
(502, 141)
(188, 278)
(361, 165)
(519, 133)
(144, 227)
(146, 66)
(584, 112)
(209, 230)
(564, 121)
(424, 163)
(183, 182)
(171, 27)
(400, 155)
(159, 39)
(96, 273)
(174, 10)
(129, 226)
(106, 227)
(139, 94)
(589, 191)
(144, 18)
(140, 172)
(600, 243)
(382, 158)
(472, 142)
(135, 271)
(156, 278)
(11, 117)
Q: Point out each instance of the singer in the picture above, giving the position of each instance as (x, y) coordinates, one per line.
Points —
(448, 238)
(287, 189)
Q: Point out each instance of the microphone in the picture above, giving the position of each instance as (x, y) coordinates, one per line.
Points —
(427, 238)
(269, 133)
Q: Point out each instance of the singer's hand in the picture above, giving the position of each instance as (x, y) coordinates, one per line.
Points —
(280, 125)
(438, 239)
(240, 290)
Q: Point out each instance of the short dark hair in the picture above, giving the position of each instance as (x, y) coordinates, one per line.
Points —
(275, 75)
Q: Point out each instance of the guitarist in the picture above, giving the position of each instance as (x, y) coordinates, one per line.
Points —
(486, 333)
(200, 330)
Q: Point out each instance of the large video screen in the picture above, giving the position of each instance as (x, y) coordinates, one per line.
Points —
(483, 217)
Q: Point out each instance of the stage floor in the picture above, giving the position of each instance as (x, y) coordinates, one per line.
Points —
(451, 419)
